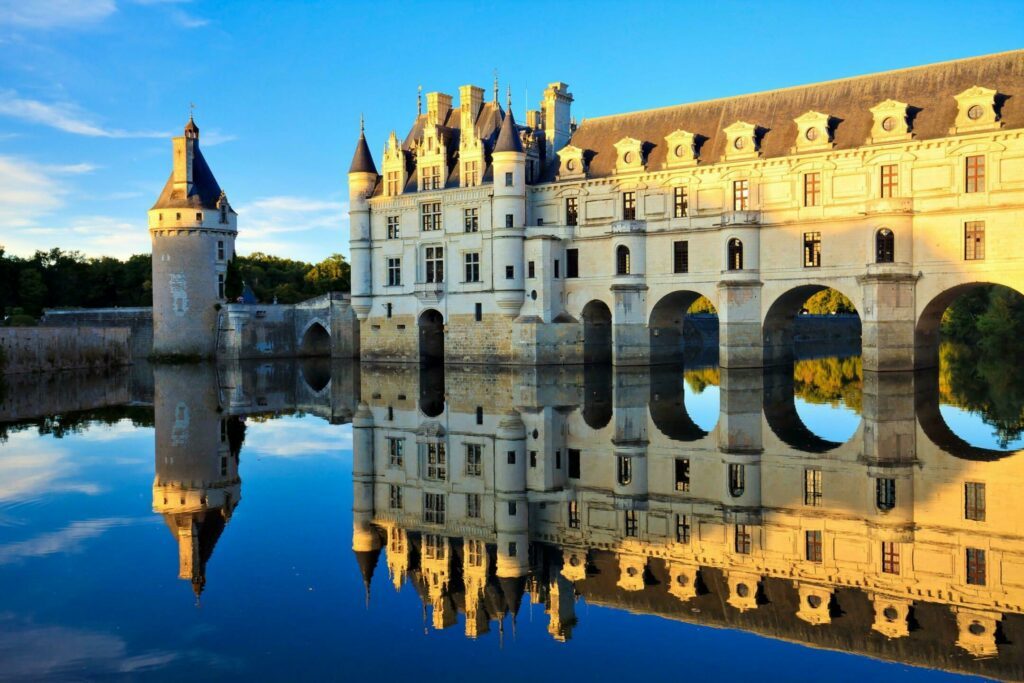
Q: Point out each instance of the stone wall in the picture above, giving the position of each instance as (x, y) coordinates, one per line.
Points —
(32, 396)
(138, 320)
(251, 331)
(41, 349)
(390, 339)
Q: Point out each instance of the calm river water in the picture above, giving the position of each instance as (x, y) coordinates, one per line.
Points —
(311, 521)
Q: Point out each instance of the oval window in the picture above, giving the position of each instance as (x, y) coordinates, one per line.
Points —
(628, 157)
(571, 164)
(888, 123)
(811, 134)
(975, 112)
(679, 150)
(738, 143)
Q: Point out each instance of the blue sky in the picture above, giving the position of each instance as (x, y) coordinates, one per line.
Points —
(90, 90)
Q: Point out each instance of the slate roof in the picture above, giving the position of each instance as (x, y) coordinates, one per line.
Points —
(929, 90)
(204, 193)
(508, 138)
(362, 160)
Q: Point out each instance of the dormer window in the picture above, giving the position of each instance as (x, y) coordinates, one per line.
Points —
(571, 162)
(629, 153)
(813, 131)
(742, 142)
(682, 149)
(891, 122)
(976, 110)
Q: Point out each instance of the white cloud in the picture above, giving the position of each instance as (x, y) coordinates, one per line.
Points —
(29, 190)
(65, 541)
(296, 437)
(31, 467)
(294, 227)
(64, 117)
(45, 14)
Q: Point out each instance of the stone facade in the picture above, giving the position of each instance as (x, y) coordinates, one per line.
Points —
(900, 190)
(40, 349)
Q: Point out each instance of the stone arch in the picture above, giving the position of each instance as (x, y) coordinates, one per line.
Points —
(431, 334)
(779, 322)
(667, 407)
(316, 373)
(783, 419)
(431, 400)
(668, 329)
(316, 340)
(597, 332)
(598, 390)
(926, 329)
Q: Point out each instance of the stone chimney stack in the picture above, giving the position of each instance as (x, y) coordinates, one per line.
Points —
(438, 107)
(471, 98)
(556, 115)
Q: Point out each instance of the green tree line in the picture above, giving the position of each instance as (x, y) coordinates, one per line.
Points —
(68, 279)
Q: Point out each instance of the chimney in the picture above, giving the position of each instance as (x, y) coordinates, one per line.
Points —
(438, 107)
(534, 120)
(555, 107)
(471, 98)
(184, 153)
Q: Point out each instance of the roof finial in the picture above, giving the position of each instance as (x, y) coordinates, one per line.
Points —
(508, 97)
(495, 85)
(419, 100)
(362, 124)
(191, 110)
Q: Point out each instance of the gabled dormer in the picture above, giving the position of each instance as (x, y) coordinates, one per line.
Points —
(629, 155)
(813, 132)
(572, 163)
(891, 122)
(396, 170)
(682, 149)
(976, 110)
(432, 159)
(741, 141)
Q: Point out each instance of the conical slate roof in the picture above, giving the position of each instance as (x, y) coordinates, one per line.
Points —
(362, 160)
(508, 137)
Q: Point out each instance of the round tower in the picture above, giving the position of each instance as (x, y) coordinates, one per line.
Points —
(509, 162)
(193, 230)
(362, 179)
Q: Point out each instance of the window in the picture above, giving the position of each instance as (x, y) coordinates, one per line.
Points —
(479, 411)
(475, 552)
(220, 285)
(387, 310)
(632, 523)
(394, 272)
(437, 462)
(508, 179)
(681, 257)
(974, 501)
(529, 171)
(391, 183)
(889, 179)
(885, 246)
(478, 314)
(430, 216)
(510, 220)
(974, 241)
(512, 508)
(434, 546)
(976, 566)
(473, 505)
(199, 217)
(531, 271)
(622, 260)
(812, 487)
(743, 540)
(472, 267)
(737, 480)
(682, 529)
(572, 263)
(396, 452)
(471, 219)
(571, 211)
(433, 508)
(890, 557)
(975, 174)
(556, 275)
(513, 549)
(533, 458)
(680, 202)
(395, 497)
(434, 260)
(812, 546)
(740, 195)
(628, 206)
(574, 463)
(510, 272)
(223, 213)
(431, 177)
(735, 254)
(472, 173)
(574, 514)
(474, 466)
(220, 250)
(885, 494)
(393, 231)
(812, 189)
(625, 470)
(511, 455)
(682, 474)
(558, 459)
(812, 249)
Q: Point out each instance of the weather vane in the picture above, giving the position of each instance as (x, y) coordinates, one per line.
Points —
(191, 109)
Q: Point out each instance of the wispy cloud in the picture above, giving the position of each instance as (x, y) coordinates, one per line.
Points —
(29, 190)
(46, 14)
(65, 541)
(296, 437)
(178, 15)
(308, 228)
(64, 117)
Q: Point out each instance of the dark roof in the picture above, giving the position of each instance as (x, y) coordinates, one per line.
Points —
(204, 193)
(928, 90)
(508, 138)
(362, 160)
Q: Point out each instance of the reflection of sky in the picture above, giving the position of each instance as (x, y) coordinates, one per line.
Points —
(703, 407)
(836, 423)
(971, 427)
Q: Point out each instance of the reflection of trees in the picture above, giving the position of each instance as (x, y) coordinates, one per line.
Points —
(983, 380)
(702, 378)
(829, 380)
(76, 422)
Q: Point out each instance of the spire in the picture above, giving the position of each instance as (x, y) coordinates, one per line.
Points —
(419, 100)
(508, 137)
(362, 160)
(367, 560)
(495, 86)
(508, 97)
(191, 129)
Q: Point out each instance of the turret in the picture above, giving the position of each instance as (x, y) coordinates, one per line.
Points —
(509, 163)
(193, 229)
(362, 179)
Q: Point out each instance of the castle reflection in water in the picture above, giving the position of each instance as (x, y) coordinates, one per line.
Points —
(483, 488)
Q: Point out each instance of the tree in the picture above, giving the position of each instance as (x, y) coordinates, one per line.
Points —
(330, 275)
(32, 291)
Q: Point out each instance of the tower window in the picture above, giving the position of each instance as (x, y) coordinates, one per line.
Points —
(508, 179)
(681, 203)
(199, 217)
(889, 179)
(735, 254)
(737, 480)
(885, 246)
(572, 263)
(510, 272)
(510, 220)
(622, 260)
(974, 241)
(220, 250)
(479, 414)
(471, 219)
(885, 494)
(220, 285)
(571, 211)
(625, 470)
(681, 257)
(512, 549)
(812, 189)
(557, 264)
(512, 508)
(387, 310)
(974, 501)
(628, 206)
(531, 271)
(511, 457)
(975, 174)
(740, 195)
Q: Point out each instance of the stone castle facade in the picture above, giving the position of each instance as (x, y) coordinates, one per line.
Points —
(482, 240)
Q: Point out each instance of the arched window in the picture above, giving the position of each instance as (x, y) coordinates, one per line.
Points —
(622, 260)
(735, 254)
(737, 480)
(625, 470)
(885, 494)
(885, 246)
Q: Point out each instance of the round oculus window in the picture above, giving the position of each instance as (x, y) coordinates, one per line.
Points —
(739, 143)
(888, 123)
(678, 151)
(975, 112)
(811, 134)
(571, 164)
(628, 157)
